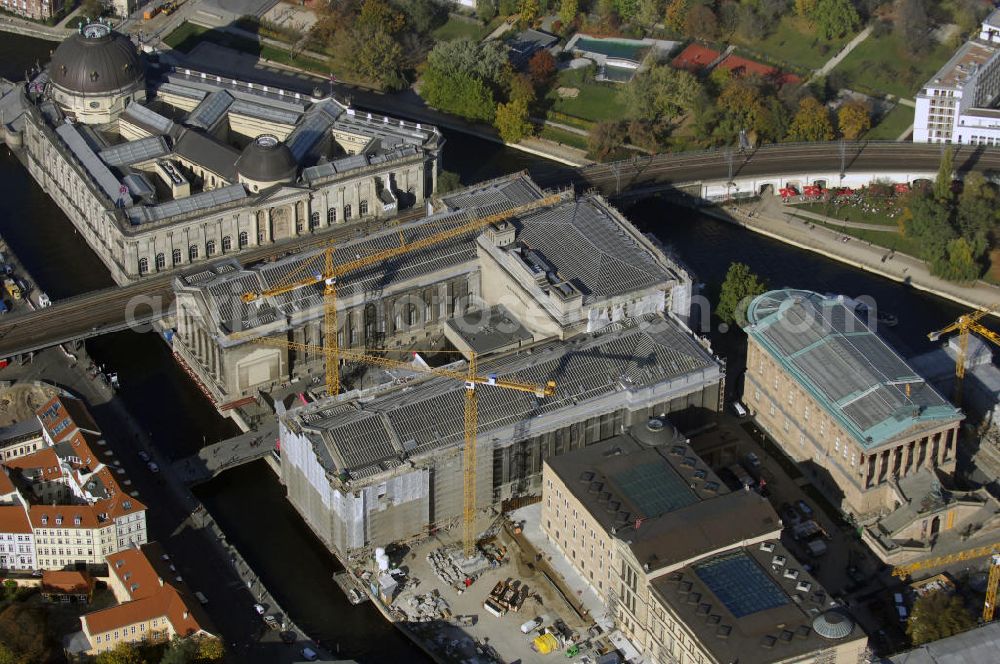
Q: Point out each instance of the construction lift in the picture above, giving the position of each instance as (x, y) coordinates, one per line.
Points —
(965, 325)
(992, 550)
(330, 272)
(472, 380)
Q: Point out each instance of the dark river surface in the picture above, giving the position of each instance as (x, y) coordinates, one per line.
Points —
(249, 502)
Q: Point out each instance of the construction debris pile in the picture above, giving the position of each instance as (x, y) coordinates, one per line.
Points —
(506, 596)
(428, 607)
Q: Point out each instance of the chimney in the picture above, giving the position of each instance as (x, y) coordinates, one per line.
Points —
(160, 579)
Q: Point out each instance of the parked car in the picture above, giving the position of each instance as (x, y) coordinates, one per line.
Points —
(807, 511)
(200, 596)
(753, 460)
(789, 517)
(259, 608)
(309, 654)
(144, 455)
(153, 468)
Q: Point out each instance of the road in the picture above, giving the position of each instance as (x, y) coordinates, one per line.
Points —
(137, 305)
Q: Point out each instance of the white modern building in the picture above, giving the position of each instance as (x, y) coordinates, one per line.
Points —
(959, 104)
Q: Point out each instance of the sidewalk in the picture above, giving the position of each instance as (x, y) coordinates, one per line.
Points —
(844, 52)
(833, 221)
(770, 217)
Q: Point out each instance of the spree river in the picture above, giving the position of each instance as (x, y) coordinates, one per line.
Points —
(249, 501)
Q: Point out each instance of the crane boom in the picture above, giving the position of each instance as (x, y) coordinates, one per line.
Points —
(904, 571)
(965, 325)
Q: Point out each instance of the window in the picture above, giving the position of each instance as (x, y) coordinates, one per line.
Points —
(347, 211)
(175, 255)
(210, 248)
(314, 220)
(836, 444)
(363, 208)
(193, 252)
(331, 216)
(161, 261)
(260, 237)
(299, 225)
(143, 265)
(244, 240)
(227, 243)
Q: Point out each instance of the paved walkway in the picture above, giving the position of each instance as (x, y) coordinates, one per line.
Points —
(844, 52)
(882, 228)
(771, 217)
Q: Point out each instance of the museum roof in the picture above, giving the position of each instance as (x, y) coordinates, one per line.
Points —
(208, 153)
(979, 644)
(646, 356)
(96, 60)
(848, 369)
(755, 604)
(489, 330)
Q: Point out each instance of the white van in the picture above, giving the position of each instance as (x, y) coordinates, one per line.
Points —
(739, 409)
(530, 626)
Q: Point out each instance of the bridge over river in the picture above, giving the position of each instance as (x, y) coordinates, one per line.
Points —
(696, 173)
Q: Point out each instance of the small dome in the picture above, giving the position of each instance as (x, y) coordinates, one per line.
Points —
(834, 624)
(267, 159)
(95, 60)
(656, 431)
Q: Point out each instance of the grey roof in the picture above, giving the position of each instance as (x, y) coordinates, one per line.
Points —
(505, 191)
(149, 119)
(774, 622)
(265, 112)
(20, 430)
(314, 125)
(353, 162)
(183, 91)
(211, 109)
(95, 167)
(98, 60)
(266, 159)
(140, 186)
(359, 436)
(979, 644)
(490, 330)
(848, 369)
(202, 201)
(208, 153)
(133, 152)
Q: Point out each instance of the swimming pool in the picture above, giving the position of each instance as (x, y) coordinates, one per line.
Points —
(613, 48)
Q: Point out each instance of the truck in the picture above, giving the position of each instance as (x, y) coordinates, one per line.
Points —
(151, 12)
(12, 288)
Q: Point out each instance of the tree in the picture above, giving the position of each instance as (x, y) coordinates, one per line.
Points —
(486, 9)
(541, 68)
(464, 77)
(6, 656)
(521, 89)
(627, 9)
(507, 7)
(211, 649)
(676, 14)
(835, 18)
(93, 8)
(913, 26)
(660, 92)
(512, 121)
(854, 119)
(805, 8)
(701, 23)
(448, 181)
(180, 651)
(568, 9)
(422, 16)
(937, 615)
(604, 139)
(977, 212)
(958, 265)
(739, 287)
(945, 176)
(750, 26)
(123, 653)
(528, 11)
(928, 220)
(460, 94)
(811, 122)
(650, 12)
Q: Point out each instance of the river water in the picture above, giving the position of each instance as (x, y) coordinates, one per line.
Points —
(248, 502)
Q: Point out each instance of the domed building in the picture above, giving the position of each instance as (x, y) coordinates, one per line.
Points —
(95, 74)
(265, 162)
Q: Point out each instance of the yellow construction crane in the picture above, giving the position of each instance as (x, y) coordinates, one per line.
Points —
(965, 325)
(992, 550)
(331, 272)
(472, 379)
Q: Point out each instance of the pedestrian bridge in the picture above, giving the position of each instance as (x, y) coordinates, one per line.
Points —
(230, 453)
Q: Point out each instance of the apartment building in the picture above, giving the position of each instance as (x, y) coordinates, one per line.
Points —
(38, 10)
(691, 572)
(17, 549)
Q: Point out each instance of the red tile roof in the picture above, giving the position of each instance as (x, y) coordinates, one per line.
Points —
(54, 581)
(13, 519)
(46, 460)
(6, 486)
(694, 58)
(63, 416)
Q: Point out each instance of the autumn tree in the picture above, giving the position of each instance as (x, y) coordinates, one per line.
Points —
(912, 26)
(448, 181)
(486, 9)
(811, 122)
(466, 77)
(512, 121)
(806, 8)
(650, 12)
(6, 655)
(854, 119)
(529, 12)
(945, 175)
(123, 653)
(701, 22)
(676, 14)
(542, 68)
(977, 212)
(660, 93)
(937, 615)
(605, 139)
(211, 650)
(568, 9)
(740, 286)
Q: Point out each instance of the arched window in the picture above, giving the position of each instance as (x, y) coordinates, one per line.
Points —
(244, 239)
(161, 261)
(331, 216)
(227, 243)
(143, 265)
(175, 255)
(363, 208)
(260, 237)
(210, 247)
(299, 226)
(314, 220)
(193, 252)
(347, 211)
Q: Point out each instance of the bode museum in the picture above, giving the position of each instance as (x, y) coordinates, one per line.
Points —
(162, 167)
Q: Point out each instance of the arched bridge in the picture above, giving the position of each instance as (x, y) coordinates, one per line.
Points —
(693, 173)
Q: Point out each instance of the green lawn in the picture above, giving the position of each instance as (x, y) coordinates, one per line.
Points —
(888, 239)
(795, 43)
(849, 213)
(881, 65)
(458, 29)
(596, 101)
(564, 137)
(894, 123)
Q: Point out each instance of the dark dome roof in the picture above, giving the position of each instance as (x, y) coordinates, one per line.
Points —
(95, 61)
(834, 624)
(267, 159)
